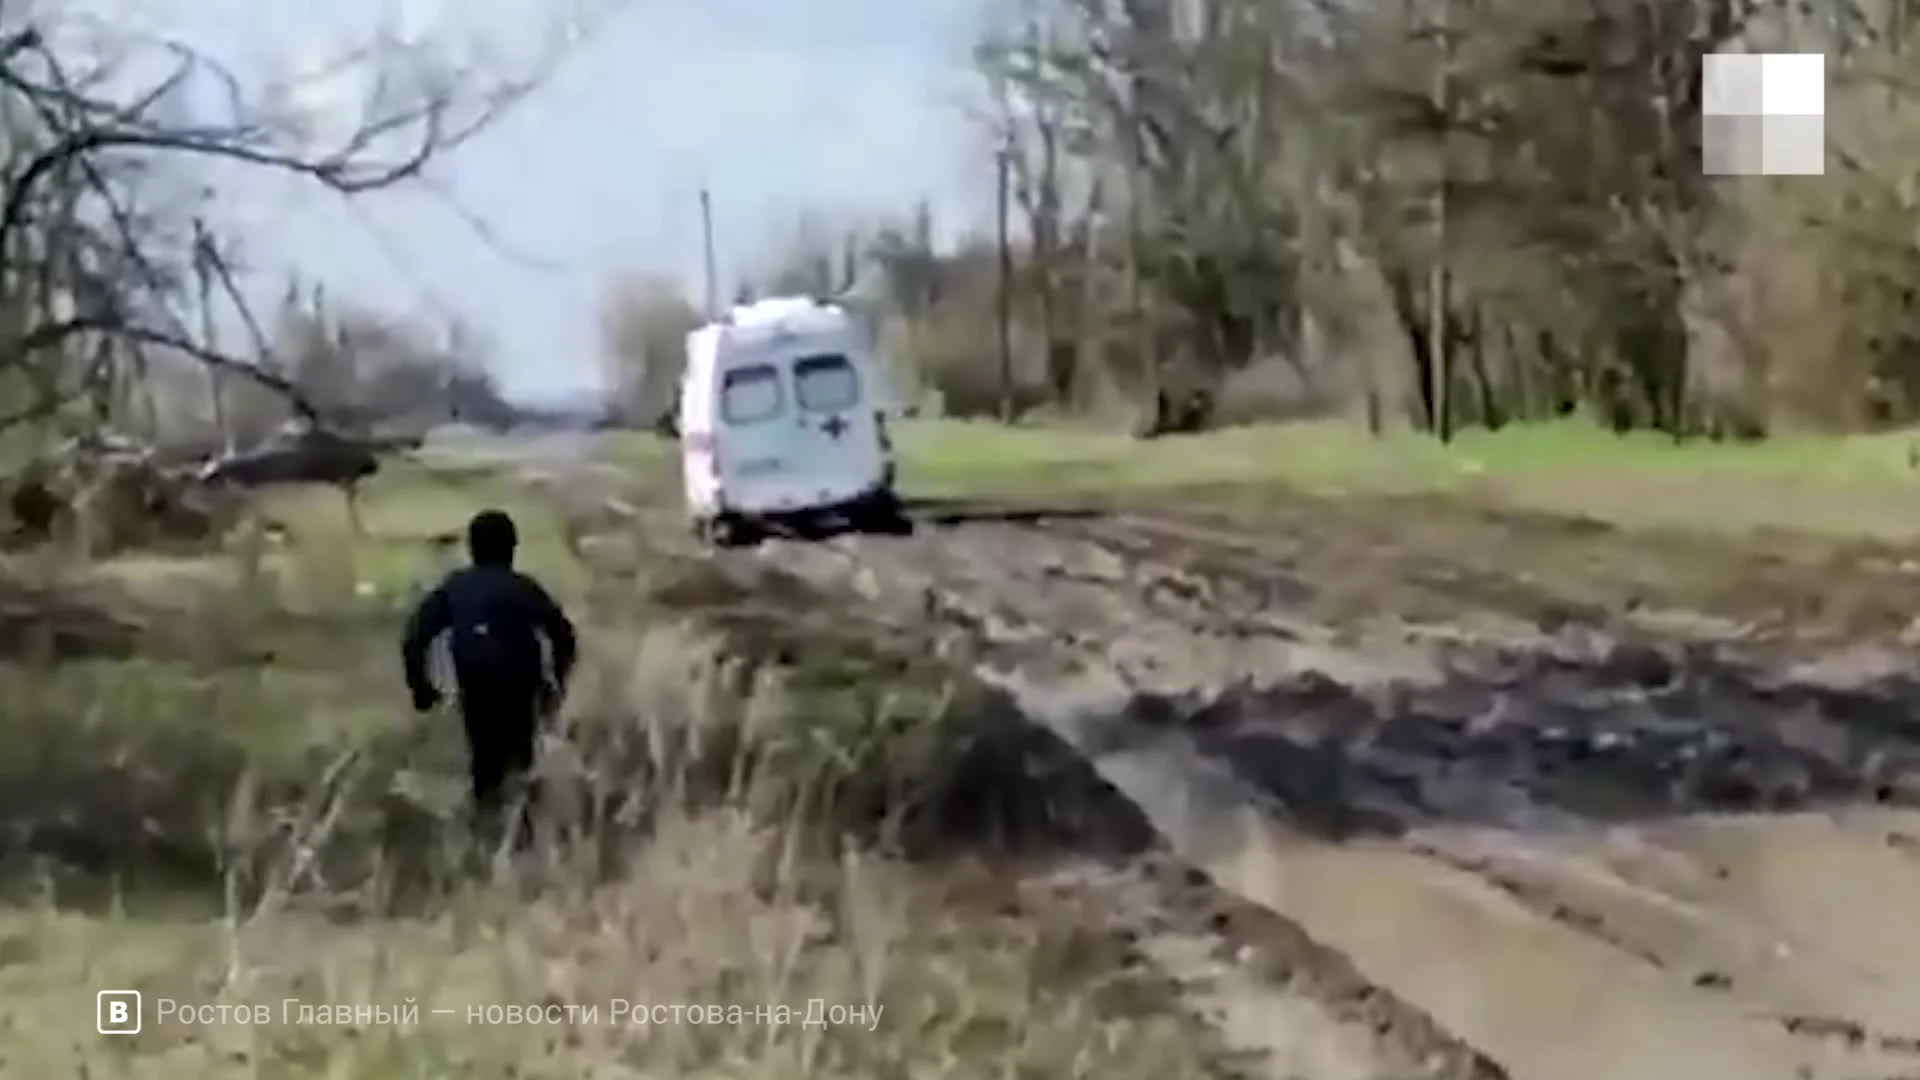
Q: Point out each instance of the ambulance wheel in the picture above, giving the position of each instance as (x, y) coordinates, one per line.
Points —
(882, 514)
(731, 530)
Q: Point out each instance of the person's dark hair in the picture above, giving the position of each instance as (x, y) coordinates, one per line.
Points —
(491, 538)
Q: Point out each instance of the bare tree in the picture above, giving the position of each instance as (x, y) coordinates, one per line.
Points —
(815, 255)
(95, 261)
(1501, 199)
(1178, 102)
(368, 371)
(644, 322)
(1057, 187)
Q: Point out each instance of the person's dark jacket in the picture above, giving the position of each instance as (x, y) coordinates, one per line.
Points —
(496, 617)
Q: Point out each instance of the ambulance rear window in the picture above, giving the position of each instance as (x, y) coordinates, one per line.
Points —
(826, 383)
(749, 395)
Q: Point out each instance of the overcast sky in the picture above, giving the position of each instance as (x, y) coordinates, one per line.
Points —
(777, 105)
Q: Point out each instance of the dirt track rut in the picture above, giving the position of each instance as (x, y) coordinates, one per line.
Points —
(1488, 850)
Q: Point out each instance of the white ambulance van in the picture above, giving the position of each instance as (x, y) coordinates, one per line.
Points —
(783, 423)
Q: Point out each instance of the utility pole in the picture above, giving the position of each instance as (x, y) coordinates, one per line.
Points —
(707, 255)
(204, 256)
(1145, 341)
(1003, 179)
(1438, 285)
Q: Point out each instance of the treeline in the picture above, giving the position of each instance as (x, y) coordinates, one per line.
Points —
(364, 371)
(1436, 213)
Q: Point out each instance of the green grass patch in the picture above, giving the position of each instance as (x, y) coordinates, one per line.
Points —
(1857, 486)
(1336, 455)
(411, 531)
(258, 666)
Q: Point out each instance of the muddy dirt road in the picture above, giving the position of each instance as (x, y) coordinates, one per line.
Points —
(1603, 851)
(1612, 848)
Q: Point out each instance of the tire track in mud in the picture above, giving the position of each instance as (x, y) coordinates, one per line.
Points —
(1292, 577)
(1680, 725)
(1323, 1021)
(1387, 737)
(1285, 1007)
(1330, 999)
(1274, 994)
(1832, 732)
(1845, 732)
(1751, 961)
(1051, 619)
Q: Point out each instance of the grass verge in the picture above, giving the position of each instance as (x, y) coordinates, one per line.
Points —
(266, 826)
(1569, 467)
(1855, 486)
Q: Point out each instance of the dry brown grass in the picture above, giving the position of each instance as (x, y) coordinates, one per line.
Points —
(950, 969)
(247, 834)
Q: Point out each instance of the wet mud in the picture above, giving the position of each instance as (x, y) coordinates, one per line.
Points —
(1422, 811)
(1411, 816)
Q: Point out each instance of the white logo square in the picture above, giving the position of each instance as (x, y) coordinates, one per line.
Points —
(117, 1012)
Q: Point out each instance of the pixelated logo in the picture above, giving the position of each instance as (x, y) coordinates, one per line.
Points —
(117, 1012)
(1764, 114)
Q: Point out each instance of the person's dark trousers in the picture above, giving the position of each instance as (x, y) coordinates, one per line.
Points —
(502, 721)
